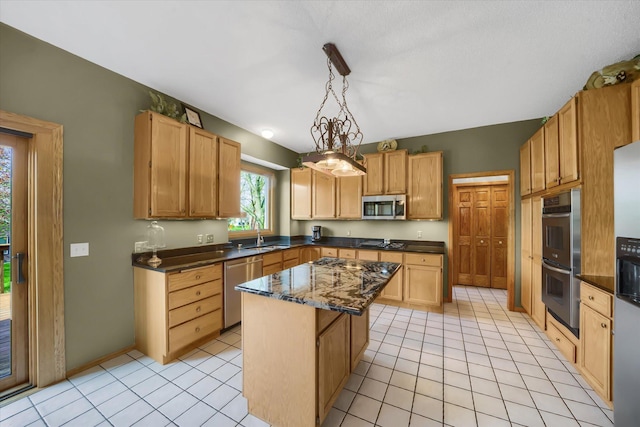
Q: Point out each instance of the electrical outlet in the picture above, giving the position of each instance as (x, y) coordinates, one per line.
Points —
(419, 234)
(348, 232)
(79, 249)
(209, 238)
(199, 237)
(139, 247)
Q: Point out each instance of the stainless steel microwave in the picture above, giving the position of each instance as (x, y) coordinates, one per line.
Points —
(384, 207)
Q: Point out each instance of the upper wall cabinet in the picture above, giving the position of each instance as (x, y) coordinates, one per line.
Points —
(561, 146)
(320, 196)
(323, 194)
(349, 197)
(386, 173)
(301, 193)
(176, 171)
(532, 174)
(424, 199)
(635, 111)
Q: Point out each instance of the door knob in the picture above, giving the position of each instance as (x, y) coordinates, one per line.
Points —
(481, 241)
(20, 257)
(499, 242)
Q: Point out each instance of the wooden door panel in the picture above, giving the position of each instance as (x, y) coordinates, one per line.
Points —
(552, 152)
(481, 246)
(499, 235)
(463, 230)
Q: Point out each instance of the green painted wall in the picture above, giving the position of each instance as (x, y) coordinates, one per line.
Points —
(97, 109)
(480, 149)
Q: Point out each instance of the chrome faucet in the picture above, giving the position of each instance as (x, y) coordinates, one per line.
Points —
(260, 239)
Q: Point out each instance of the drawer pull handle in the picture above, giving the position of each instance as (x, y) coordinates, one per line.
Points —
(424, 260)
(604, 325)
(198, 277)
(198, 329)
(198, 293)
(499, 242)
(557, 339)
(590, 297)
(198, 309)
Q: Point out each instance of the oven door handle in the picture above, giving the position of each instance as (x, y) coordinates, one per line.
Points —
(556, 269)
(556, 215)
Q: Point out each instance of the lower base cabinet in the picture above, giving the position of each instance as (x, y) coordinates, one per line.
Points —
(334, 364)
(175, 312)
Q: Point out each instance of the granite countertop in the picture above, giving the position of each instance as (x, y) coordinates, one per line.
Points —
(200, 256)
(347, 286)
(606, 283)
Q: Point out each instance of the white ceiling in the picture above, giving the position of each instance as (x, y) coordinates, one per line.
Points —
(418, 67)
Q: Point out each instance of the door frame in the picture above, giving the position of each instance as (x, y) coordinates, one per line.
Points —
(511, 241)
(47, 363)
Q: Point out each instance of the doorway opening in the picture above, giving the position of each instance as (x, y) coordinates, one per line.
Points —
(35, 247)
(481, 231)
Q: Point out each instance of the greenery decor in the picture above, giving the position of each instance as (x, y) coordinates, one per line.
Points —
(169, 109)
(422, 149)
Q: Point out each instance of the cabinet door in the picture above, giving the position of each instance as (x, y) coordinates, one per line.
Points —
(168, 168)
(333, 363)
(538, 312)
(309, 254)
(349, 204)
(425, 186)
(552, 152)
(635, 111)
(203, 178)
(301, 193)
(395, 172)
(499, 235)
(393, 290)
(525, 260)
(374, 179)
(323, 191)
(538, 178)
(595, 346)
(423, 285)
(568, 142)
(228, 178)
(525, 168)
(359, 337)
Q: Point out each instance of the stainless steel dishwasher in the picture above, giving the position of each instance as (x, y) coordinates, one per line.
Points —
(236, 272)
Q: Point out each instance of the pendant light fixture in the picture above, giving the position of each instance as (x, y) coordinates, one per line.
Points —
(337, 138)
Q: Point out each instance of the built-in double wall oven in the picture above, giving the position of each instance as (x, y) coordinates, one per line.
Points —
(561, 257)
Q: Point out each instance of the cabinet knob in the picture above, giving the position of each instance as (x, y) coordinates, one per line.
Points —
(183, 210)
(499, 242)
(424, 260)
(193, 211)
(198, 309)
(604, 325)
(198, 276)
(198, 293)
(558, 339)
(198, 329)
(590, 297)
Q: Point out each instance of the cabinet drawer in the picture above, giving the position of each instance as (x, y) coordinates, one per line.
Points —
(195, 309)
(424, 259)
(347, 253)
(272, 258)
(291, 254)
(600, 301)
(324, 318)
(194, 276)
(566, 347)
(195, 329)
(332, 252)
(194, 293)
(271, 269)
(368, 255)
(391, 257)
(290, 263)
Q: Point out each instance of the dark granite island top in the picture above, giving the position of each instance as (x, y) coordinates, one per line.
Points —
(343, 285)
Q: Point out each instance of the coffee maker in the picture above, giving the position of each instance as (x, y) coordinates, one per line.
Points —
(316, 233)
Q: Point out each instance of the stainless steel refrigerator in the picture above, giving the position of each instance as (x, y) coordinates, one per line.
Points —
(626, 322)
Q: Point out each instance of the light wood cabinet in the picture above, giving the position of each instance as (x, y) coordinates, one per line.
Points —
(525, 257)
(561, 151)
(565, 341)
(423, 279)
(301, 193)
(538, 309)
(271, 263)
(359, 337)
(525, 168)
(176, 171)
(229, 179)
(368, 255)
(552, 152)
(537, 161)
(329, 252)
(393, 290)
(309, 253)
(635, 113)
(323, 194)
(334, 365)
(175, 312)
(290, 258)
(596, 341)
(386, 173)
(349, 197)
(424, 190)
(347, 253)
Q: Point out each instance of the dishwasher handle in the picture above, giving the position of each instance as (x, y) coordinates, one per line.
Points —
(243, 264)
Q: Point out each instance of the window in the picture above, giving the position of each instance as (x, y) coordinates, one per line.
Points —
(256, 189)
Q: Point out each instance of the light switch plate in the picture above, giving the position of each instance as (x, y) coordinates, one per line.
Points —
(209, 238)
(79, 249)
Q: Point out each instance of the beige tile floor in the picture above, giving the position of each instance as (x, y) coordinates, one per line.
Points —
(475, 365)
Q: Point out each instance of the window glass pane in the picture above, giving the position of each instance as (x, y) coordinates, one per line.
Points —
(254, 202)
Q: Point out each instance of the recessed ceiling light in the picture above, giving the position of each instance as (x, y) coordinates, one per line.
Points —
(267, 133)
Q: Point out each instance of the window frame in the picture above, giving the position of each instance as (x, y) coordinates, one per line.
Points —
(251, 168)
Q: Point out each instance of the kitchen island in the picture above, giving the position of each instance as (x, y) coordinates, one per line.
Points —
(303, 331)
